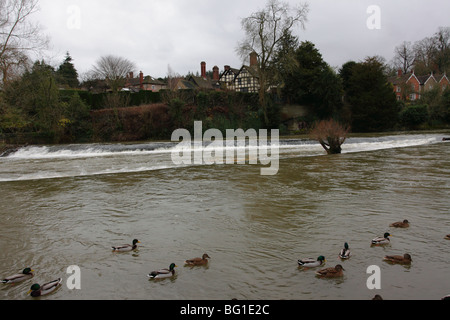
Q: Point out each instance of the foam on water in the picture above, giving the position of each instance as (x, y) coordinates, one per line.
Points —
(48, 162)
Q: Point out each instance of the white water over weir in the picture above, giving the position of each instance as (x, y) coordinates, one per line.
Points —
(59, 161)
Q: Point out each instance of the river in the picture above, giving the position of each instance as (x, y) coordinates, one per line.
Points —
(67, 205)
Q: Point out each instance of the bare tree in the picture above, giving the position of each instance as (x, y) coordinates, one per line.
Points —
(264, 29)
(442, 38)
(404, 57)
(18, 36)
(425, 51)
(113, 70)
(330, 134)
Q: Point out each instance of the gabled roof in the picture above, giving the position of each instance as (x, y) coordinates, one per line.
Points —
(147, 80)
(252, 70)
(203, 83)
(441, 77)
(396, 80)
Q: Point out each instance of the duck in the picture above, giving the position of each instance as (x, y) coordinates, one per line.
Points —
(26, 274)
(337, 271)
(400, 224)
(37, 290)
(163, 273)
(311, 263)
(447, 237)
(126, 247)
(345, 252)
(405, 259)
(382, 240)
(198, 261)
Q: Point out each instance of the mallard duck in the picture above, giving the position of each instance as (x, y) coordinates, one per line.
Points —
(447, 237)
(38, 290)
(198, 261)
(126, 247)
(382, 240)
(26, 274)
(163, 273)
(345, 252)
(405, 259)
(311, 263)
(331, 272)
(400, 224)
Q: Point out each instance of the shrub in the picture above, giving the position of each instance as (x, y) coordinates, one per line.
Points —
(413, 116)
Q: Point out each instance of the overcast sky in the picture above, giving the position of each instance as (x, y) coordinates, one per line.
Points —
(157, 33)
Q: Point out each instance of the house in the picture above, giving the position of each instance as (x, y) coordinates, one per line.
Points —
(202, 82)
(443, 82)
(247, 79)
(226, 79)
(146, 83)
(410, 86)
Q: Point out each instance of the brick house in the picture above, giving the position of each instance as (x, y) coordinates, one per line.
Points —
(142, 82)
(410, 86)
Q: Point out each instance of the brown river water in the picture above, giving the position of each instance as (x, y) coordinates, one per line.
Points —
(67, 205)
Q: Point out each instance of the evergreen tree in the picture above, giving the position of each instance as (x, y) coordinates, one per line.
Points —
(372, 100)
(66, 74)
(313, 83)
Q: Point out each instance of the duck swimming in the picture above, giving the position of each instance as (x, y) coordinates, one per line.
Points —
(331, 272)
(405, 259)
(198, 261)
(382, 240)
(163, 273)
(345, 252)
(400, 224)
(126, 247)
(311, 263)
(38, 290)
(26, 274)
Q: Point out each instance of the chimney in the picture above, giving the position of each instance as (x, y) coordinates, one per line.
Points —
(216, 73)
(141, 80)
(253, 59)
(203, 68)
(130, 75)
(399, 73)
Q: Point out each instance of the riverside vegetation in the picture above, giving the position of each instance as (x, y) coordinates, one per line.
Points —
(40, 106)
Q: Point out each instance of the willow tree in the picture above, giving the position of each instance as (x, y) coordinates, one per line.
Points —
(264, 30)
(330, 134)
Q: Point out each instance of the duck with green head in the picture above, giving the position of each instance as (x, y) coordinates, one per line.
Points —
(311, 263)
(345, 252)
(163, 273)
(38, 290)
(126, 247)
(26, 274)
(379, 241)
